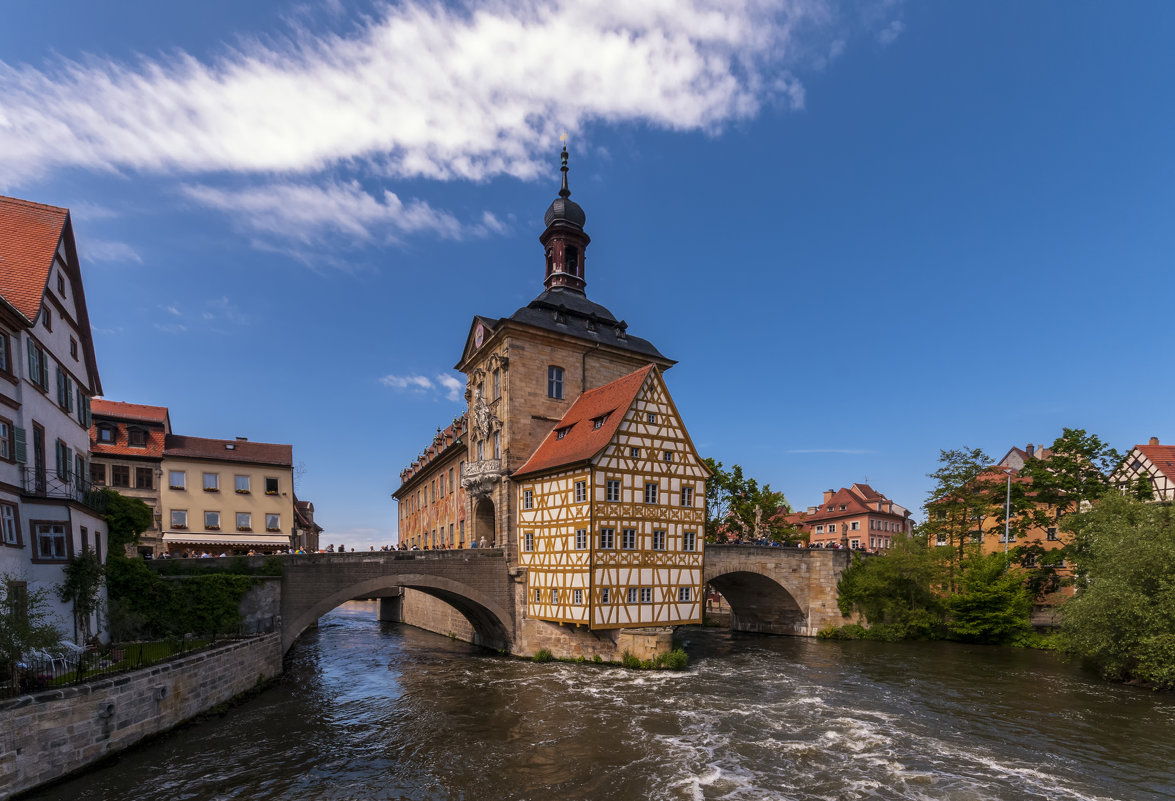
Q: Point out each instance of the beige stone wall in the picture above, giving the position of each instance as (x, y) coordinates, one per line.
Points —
(46, 736)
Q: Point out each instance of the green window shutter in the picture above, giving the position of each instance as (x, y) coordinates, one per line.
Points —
(60, 387)
(69, 394)
(89, 421)
(34, 370)
(67, 465)
(20, 449)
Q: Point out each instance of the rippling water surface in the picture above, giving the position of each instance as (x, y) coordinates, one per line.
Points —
(371, 710)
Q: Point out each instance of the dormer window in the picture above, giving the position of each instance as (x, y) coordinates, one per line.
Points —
(571, 260)
(136, 438)
(105, 434)
(560, 433)
(598, 422)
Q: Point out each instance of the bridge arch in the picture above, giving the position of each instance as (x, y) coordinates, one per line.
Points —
(759, 603)
(778, 590)
(491, 622)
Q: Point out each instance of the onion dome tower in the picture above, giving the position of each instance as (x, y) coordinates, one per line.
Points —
(564, 240)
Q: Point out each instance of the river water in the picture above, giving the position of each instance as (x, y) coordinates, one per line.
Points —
(371, 710)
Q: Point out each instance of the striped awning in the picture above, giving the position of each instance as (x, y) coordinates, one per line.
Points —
(184, 538)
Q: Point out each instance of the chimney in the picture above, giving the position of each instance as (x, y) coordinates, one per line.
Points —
(242, 439)
(1030, 449)
(827, 495)
(1154, 440)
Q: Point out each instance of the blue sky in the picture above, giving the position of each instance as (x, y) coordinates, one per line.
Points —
(866, 231)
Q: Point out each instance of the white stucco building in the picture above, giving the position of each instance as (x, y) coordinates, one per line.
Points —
(48, 373)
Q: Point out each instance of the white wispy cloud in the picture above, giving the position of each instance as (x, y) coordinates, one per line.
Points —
(451, 386)
(102, 250)
(311, 212)
(854, 451)
(419, 90)
(890, 32)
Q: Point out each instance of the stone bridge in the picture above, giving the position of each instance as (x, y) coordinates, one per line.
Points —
(769, 590)
(778, 590)
(477, 583)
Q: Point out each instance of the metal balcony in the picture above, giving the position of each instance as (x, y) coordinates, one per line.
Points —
(39, 482)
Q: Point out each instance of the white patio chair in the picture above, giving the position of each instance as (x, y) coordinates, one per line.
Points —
(71, 652)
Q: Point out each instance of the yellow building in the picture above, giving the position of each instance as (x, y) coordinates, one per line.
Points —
(231, 496)
(611, 512)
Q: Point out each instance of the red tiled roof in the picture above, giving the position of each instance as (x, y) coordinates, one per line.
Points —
(583, 440)
(29, 235)
(1161, 456)
(100, 407)
(240, 450)
(153, 449)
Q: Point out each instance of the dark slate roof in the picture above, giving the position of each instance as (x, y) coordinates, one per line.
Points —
(567, 311)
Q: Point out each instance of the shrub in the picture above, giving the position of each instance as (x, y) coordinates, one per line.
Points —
(630, 661)
(542, 655)
(677, 659)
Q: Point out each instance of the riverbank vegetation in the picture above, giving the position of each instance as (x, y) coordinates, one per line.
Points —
(1108, 573)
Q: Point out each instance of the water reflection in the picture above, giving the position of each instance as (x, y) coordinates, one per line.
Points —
(372, 711)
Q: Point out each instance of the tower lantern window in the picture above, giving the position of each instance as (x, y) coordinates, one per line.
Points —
(571, 259)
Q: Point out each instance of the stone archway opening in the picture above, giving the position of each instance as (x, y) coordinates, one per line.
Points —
(485, 523)
(759, 604)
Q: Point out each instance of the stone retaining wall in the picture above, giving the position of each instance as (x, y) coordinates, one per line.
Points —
(53, 733)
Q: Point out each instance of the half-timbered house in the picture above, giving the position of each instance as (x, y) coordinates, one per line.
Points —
(1152, 464)
(611, 511)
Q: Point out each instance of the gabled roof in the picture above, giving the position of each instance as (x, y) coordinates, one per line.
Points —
(100, 407)
(1162, 457)
(582, 441)
(229, 450)
(858, 499)
(29, 236)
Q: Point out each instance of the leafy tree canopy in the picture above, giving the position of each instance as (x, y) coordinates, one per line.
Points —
(737, 508)
(1075, 473)
(1123, 619)
(126, 518)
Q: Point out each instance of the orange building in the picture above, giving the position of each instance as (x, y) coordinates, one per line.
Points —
(857, 517)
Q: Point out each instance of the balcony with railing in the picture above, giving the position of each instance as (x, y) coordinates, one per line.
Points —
(39, 482)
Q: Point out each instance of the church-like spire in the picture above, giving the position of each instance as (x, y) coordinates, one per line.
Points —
(564, 239)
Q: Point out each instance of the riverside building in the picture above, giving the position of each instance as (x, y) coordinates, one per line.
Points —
(570, 456)
(48, 373)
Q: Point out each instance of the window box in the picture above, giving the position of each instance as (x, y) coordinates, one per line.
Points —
(174, 487)
(244, 528)
(212, 528)
(212, 489)
(274, 529)
(271, 492)
(242, 492)
(179, 525)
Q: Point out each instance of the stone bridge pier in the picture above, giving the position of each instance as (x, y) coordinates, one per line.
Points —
(778, 590)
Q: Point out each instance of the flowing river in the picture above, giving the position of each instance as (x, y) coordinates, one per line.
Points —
(371, 710)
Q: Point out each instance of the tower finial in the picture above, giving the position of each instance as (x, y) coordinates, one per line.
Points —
(563, 190)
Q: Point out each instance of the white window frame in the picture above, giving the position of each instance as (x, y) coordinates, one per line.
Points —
(247, 517)
(607, 539)
(580, 491)
(689, 541)
(581, 539)
(215, 485)
(183, 482)
(632, 595)
(55, 534)
(628, 539)
(577, 597)
(179, 518)
(612, 490)
(646, 595)
(527, 499)
(275, 520)
(242, 484)
(658, 540)
(651, 490)
(11, 534)
(528, 541)
(684, 594)
(687, 496)
(605, 595)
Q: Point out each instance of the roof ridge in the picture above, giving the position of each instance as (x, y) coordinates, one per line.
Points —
(23, 202)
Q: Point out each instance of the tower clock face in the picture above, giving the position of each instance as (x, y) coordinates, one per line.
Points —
(479, 335)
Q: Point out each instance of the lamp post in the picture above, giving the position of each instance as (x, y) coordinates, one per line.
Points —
(1007, 512)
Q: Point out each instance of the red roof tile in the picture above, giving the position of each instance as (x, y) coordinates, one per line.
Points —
(1161, 456)
(29, 235)
(100, 407)
(153, 449)
(582, 439)
(229, 450)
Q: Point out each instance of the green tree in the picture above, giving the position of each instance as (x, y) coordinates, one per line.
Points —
(126, 519)
(81, 587)
(962, 496)
(1123, 619)
(1075, 473)
(26, 624)
(737, 508)
(896, 592)
(992, 604)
